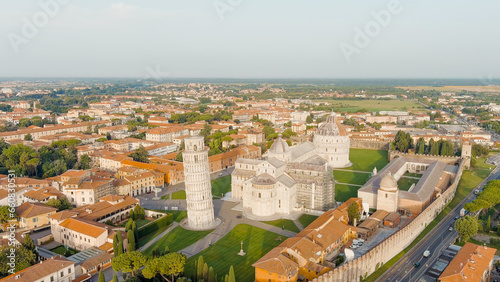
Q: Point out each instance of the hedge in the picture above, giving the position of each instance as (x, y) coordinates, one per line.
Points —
(165, 220)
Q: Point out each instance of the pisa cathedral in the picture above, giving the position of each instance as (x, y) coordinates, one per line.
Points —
(291, 178)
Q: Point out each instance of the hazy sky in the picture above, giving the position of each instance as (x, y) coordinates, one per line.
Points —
(250, 38)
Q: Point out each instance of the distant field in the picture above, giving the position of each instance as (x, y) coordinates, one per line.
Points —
(179, 195)
(372, 105)
(475, 88)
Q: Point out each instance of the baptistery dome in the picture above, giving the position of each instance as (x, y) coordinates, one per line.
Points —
(388, 183)
(332, 127)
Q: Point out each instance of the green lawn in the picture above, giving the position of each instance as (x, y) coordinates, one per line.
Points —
(62, 250)
(179, 195)
(353, 106)
(470, 180)
(177, 239)
(345, 192)
(405, 183)
(178, 215)
(224, 253)
(143, 240)
(142, 222)
(289, 224)
(306, 219)
(165, 197)
(221, 185)
(366, 160)
(351, 177)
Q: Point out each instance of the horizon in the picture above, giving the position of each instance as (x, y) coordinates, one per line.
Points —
(223, 39)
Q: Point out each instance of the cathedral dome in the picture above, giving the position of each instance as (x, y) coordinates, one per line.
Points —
(279, 146)
(389, 183)
(332, 127)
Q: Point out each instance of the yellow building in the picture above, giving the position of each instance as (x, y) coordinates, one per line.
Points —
(32, 215)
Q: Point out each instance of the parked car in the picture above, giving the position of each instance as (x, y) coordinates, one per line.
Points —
(451, 228)
(416, 264)
(427, 253)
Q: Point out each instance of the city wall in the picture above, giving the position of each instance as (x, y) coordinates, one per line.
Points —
(446, 159)
(373, 145)
(365, 265)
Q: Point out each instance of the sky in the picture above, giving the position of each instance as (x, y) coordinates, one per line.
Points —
(250, 38)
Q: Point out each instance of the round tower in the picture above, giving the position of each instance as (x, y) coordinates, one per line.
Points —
(200, 207)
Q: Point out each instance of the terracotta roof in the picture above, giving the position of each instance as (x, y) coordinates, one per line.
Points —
(469, 264)
(97, 260)
(43, 193)
(40, 270)
(62, 215)
(28, 210)
(80, 226)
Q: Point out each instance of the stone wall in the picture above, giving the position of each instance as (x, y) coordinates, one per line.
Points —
(365, 265)
(373, 145)
(446, 159)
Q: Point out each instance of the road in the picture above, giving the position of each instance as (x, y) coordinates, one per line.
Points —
(435, 241)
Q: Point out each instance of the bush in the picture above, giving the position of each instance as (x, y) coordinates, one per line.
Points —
(167, 219)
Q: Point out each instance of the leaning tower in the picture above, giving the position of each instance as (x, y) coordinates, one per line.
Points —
(200, 207)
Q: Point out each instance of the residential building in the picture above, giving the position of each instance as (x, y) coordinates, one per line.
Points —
(33, 215)
(472, 263)
(56, 269)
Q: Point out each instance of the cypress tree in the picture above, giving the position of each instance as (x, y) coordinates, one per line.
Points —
(199, 270)
(101, 276)
(231, 278)
(211, 275)
(205, 272)
(131, 240)
(120, 249)
(115, 244)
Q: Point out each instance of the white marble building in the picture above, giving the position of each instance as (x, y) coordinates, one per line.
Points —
(200, 207)
(293, 178)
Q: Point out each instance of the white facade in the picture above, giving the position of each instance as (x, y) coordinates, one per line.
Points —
(200, 207)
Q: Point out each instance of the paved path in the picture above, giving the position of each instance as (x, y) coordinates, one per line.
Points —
(298, 224)
(155, 239)
(350, 184)
(229, 217)
(350, 170)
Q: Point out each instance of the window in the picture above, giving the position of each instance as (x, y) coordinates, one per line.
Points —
(386, 195)
(35, 219)
(62, 273)
(69, 270)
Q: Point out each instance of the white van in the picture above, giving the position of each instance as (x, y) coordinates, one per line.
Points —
(427, 253)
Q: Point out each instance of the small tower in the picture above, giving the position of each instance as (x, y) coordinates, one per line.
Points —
(466, 153)
(200, 206)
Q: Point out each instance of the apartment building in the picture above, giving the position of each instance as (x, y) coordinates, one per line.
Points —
(56, 269)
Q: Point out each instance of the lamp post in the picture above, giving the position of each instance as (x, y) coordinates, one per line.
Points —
(241, 253)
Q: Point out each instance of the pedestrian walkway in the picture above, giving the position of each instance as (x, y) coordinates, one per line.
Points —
(155, 239)
(350, 170)
(350, 184)
(298, 224)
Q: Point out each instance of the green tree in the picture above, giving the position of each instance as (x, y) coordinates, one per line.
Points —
(179, 157)
(211, 275)
(205, 272)
(171, 264)
(488, 225)
(433, 148)
(85, 162)
(231, 277)
(131, 240)
(466, 227)
(128, 262)
(205, 132)
(140, 155)
(199, 269)
(420, 147)
(24, 258)
(5, 214)
(120, 247)
(354, 212)
(116, 242)
(28, 137)
(101, 276)
(309, 119)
